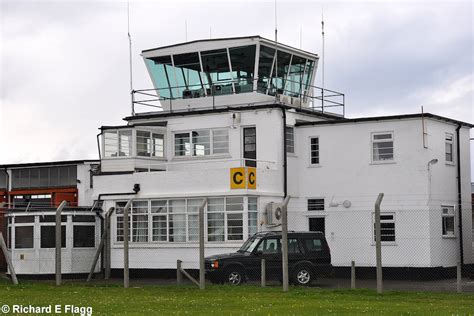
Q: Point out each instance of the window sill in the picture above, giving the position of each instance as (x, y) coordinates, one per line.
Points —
(385, 243)
(391, 162)
(451, 164)
(448, 237)
(314, 166)
(210, 157)
(293, 155)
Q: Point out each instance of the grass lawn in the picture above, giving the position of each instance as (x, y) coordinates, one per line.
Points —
(228, 300)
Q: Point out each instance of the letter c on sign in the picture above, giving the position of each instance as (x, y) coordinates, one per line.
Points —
(238, 174)
(251, 177)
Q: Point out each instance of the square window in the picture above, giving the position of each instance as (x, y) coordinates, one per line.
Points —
(382, 147)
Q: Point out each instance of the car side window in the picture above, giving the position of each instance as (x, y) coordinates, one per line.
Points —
(293, 246)
(270, 246)
(313, 245)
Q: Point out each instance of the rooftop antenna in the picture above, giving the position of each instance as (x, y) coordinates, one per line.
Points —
(276, 53)
(322, 70)
(185, 30)
(301, 37)
(130, 56)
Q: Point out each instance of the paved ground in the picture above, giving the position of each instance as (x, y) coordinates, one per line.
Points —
(448, 285)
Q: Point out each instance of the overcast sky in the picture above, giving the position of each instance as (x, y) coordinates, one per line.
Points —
(64, 64)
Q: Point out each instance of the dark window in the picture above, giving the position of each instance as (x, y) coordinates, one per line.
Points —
(265, 62)
(317, 224)
(24, 219)
(242, 60)
(84, 236)
(52, 218)
(293, 246)
(23, 237)
(387, 228)
(270, 246)
(250, 146)
(314, 150)
(280, 72)
(83, 218)
(313, 245)
(315, 204)
(215, 65)
(48, 236)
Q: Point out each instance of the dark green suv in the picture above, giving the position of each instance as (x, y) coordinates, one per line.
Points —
(308, 258)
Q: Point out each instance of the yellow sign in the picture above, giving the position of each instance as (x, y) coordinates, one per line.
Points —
(251, 178)
(243, 178)
(237, 178)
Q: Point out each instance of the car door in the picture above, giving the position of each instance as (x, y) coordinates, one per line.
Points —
(271, 252)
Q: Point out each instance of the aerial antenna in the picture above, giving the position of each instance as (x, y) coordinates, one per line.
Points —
(322, 70)
(276, 53)
(301, 37)
(130, 56)
(186, 30)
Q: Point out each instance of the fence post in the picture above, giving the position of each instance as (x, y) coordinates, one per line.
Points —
(284, 242)
(108, 244)
(459, 278)
(3, 246)
(353, 275)
(179, 275)
(126, 234)
(378, 243)
(202, 280)
(58, 242)
(264, 273)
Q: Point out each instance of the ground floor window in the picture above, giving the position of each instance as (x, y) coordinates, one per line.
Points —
(177, 220)
(387, 227)
(448, 220)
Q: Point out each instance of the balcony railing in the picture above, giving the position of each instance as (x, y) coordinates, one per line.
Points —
(295, 94)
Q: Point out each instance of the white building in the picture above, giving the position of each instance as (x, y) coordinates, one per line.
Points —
(224, 106)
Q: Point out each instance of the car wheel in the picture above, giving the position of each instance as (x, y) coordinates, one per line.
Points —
(234, 276)
(303, 276)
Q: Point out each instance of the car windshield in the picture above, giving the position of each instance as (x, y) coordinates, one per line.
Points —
(250, 244)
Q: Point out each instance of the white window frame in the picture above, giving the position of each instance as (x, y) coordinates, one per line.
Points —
(311, 164)
(450, 142)
(373, 141)
(151, 132)
(211, 143)
(117, 131)
(393, 220)
(447, 215)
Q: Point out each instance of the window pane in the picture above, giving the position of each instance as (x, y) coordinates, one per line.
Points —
(110, 144)
(281, 72)
(215, 65)
(188, 74)
(314, 150)
(294, 86)
(143, 143)
(220, 141)
(140, 228)
(382, 150)
(83, 218)
(24, 219)
(159, 228)
(193, 227)
(177, 228)
(234, 204)
(48, 236)
(266, 58)
(290, 140)
(293, 246)
(157, 145)
(313, 245)
(84, 236)
(215, 219)
(23, 237)
(252, 215)
(125, 143)
(201, 143)
(234, 226)
(182, 144)
(243, 64)
(177, 206)
(162, 74)
(159, 206)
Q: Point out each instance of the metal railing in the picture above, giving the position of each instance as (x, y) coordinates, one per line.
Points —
(294, 93)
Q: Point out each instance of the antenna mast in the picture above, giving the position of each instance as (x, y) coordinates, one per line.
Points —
(276, 54)
(130, 56)
(322, 70)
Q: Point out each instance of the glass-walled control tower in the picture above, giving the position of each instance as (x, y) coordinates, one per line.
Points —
(231, 71)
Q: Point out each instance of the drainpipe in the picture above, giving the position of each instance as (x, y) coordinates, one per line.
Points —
(285, 156)
(458, 151)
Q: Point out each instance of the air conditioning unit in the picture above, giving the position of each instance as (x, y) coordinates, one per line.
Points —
(274, 213)
(284, 99)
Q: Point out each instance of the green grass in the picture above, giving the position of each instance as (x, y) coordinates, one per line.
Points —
(228, 300)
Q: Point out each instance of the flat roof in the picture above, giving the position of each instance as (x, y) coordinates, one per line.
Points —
(48, 163)
(241, 38)
(387, 118)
